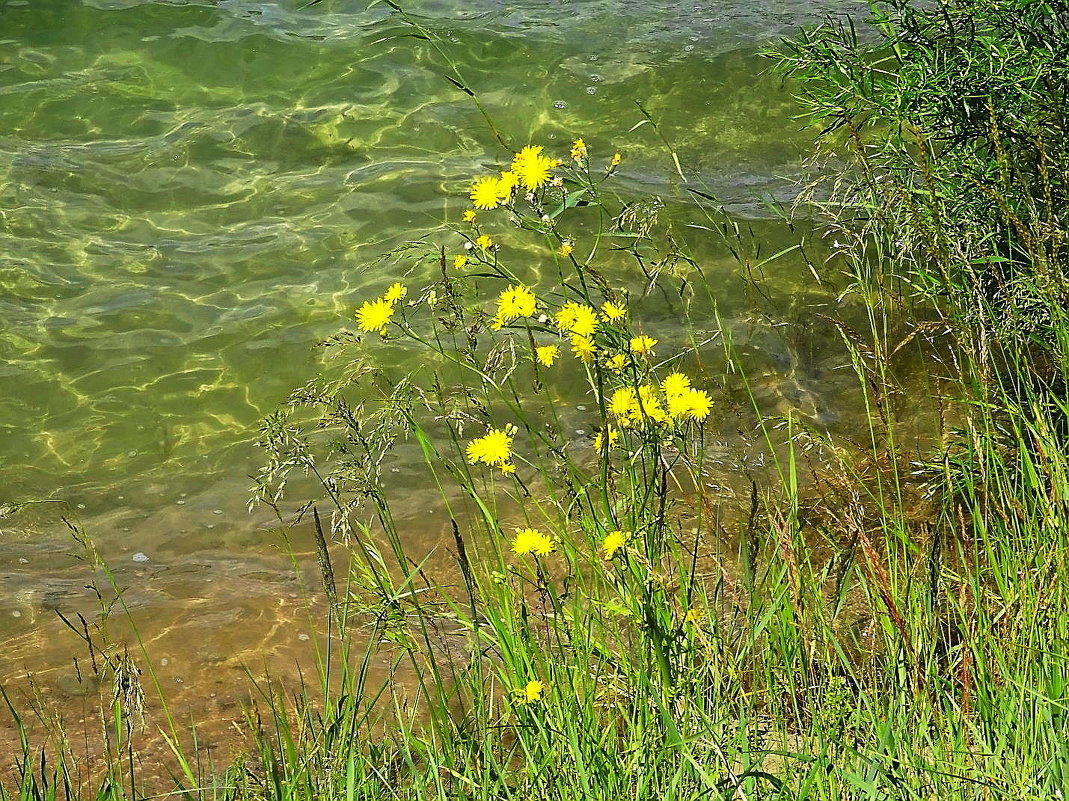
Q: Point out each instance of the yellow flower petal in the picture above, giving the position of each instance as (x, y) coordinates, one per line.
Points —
(506, 185)
(613, 312)
(531, 692)
(675, 384)
(516, 301)
(614, 541)
(532, 168)
(493, 448)
(547, 354)
(700, 404)
(642, 345)
(374, 314)
(526, 155)
(623, 402)
(483, 193)
(583, 348)
(577, 319)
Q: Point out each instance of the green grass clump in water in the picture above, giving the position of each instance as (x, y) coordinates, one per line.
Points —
(631, 643)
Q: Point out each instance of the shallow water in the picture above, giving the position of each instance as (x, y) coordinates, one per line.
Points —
(191, 194)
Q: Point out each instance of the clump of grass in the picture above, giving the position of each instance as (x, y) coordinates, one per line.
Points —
(950, 121)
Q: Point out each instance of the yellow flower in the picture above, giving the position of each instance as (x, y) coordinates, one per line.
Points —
(690, 403)
(508, 468)
(599, 439)
(516, 301)
(657, 414)
(675, 384)
(547, 354)
(700, 404)
(616, 159)
(566, 248)
(586, 321)
(565, 318)
(679, 406)
(459, 262)
(373, 315)
(578, 319)
(528, 154)
(484, 242)
(583, 347)
(642, 345)
(614, 541)
(693, 615)
(535, 174)
(612, 311)
(484, 193)
(532, 168)
(651, 404)
(494, 448)
(623, 403)
(531, 692)
(395, 292)
(531, 540)
(506, 184)
(469, 215)
(617, 362)
(578, 150)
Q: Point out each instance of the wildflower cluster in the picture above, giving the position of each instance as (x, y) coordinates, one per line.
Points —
(583, 526)
(530, 169)
(616, 359)
(530, 172)
(598, 335)
(579, 322)
(674, 401)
